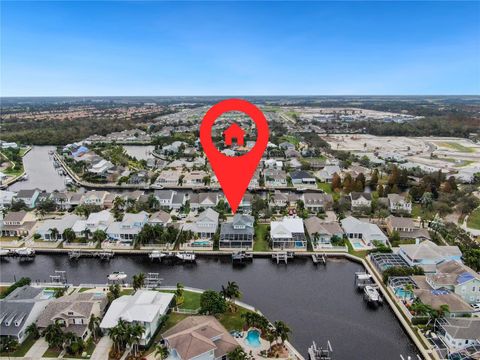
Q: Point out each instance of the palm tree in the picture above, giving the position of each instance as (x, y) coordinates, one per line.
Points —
(270, 337)
(94, 326)
(54, 335)
(179, 294)
(282, 330)
(69, 235)
(86, 232)
(135, 335)
(237, 354)
(138, 281)
(99, 236)
(118, 203)
(33, 331)
(54, 233)
(163, 352)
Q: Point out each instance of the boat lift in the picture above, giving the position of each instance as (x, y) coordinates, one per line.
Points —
(315, 353)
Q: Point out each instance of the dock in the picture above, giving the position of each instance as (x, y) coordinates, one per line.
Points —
(363, 279)
(372, 295)
(241, 257)
(283, 256)
(153, 281)
(315, 353)
(319, 259)
(102, 255)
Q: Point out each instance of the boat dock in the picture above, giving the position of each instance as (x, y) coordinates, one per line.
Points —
(372, 295)
(319, 259)
(315, 353)
(20, 253)
(102, 255)
(242, 257)
(283, 256)
(363, 279)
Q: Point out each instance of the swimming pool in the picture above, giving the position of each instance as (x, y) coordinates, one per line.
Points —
(253, 338)
(299, 244)
(402, 294)
(201, 243)
(48, 294)
(357, 245)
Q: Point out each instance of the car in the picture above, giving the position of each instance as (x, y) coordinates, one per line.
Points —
(476, 307)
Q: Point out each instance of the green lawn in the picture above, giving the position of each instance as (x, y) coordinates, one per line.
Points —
(52, 353)
(233, 321)
(191, 300)
(457, 147)
(84, 289)
(126, 292)
(474, 219)
(260, 243)
(22, 348)
(291, 139)
(418, 210)
(361, 254)
(89, 350)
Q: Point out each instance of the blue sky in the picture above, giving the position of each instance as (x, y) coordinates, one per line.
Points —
(239, 48)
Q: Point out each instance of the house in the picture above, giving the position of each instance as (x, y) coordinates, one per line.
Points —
(195, 178)
(18, 223)
(399, 203)
(439, 298)
(457, 278)
(126, 231)
(315, 202)
(294, 164)
(291, 153)
(288, 234)
(326, 174)
(279, 199)
(275, 178)
(205, 225)
(428, 255)
(161, 218)
(199, 337)
(178, 200)
(322, 232)
(169, 177)
(47, 228)
(273, 164)
(6, 198)
(73, 312)
(362, 233)
(237, 233)
(302, 177)
(94, 198)
(203, 200)
(234, 131)
(459, 333)
(145, 307)
(406, 228)
(101, 167)
(165, 198)
(95, 221)
(360, 200)
(174, 147)
(29, 197)
(255, 180)
(246, 203)
(286, 146)
(20, 309)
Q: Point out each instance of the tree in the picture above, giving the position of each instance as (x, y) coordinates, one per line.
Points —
(336, 182)
(54, 233)
(69, 235)
(162, 352)
(135, 333)
(94, 326)
(179, 294)
(138, 281)
(113, 292)
(237, 354)
(212, 303)
(99, 236)
(270, 336)
(282, 330)
(374, 179)
(33, 331)
(54, 335)
(86, 232)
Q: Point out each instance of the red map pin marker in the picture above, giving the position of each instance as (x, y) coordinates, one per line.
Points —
(234, 173)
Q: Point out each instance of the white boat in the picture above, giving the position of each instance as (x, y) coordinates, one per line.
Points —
(372, 294)
(25, 252)
(186, 256)
(4, 252)
(155, 254)
(117, 276)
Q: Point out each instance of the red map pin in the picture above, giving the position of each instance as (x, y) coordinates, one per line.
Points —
(234, 173)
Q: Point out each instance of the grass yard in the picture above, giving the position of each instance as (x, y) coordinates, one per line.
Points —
(191, 300)
(233, 321)
(52, 353)
(261, 243)
(84, 289)
(361, 254)
(126, 292)
(89, 350)
(473, 221)
(22, 348)
(457, 147)
(291, 139)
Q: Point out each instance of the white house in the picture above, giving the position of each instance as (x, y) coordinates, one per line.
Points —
(94, 198)
(360, 200)
(205, 225)
(288, 234)
(428, 255)
(145, 307)
(326, 174)
(126, 231)
(361, 234)
(399, 203)
(459, 333)
(47, 228)
(95, 221)
(6, 198)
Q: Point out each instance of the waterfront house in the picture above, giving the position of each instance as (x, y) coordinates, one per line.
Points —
(145, 307)
(315, 202)
(288, 234)
(95, 221)
(29, 197)
(399, 203)
(161, 218)
(194, 178)
(459, 333)
(302, 177)
(52, 229)
(73, 312)
(237, 233)
(321, 232)
(458, 278)
(174, 147)
(20, 309)
(246, 203)
(169, 177)
(126, 231)
(360, 200)
(439, 298)
(205, 224)
(275, 178)
(326, 174)
(101, 167)
(6, 198)
(18, 223)
(406, 228)
(199, 337)
(94, 198)
(178, 200)
(428, 255)
(291, 153)
(294, 164)
(203, 200)
(362, 233)
(66, 200)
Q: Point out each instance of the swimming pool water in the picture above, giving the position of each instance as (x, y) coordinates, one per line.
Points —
(253, 338)
(357, 245)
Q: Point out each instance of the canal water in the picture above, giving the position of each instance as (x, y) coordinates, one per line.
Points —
(318, 303)
(40, 171)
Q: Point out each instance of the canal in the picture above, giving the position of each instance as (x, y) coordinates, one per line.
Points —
(319, 303)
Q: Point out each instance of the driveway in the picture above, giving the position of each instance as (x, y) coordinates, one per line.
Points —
(37, 349)
(102, 349)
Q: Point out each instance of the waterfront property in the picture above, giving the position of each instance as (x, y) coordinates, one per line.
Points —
(73, 312)
(315, 202)
(322, 232)
(362, 234)
(21, 308)
(199, 337)
(237, 233)
(459, 333)
(126, 231)
(428, 255)
(399, 203)
(145, 307)
(52, 229)
(406, 228)
(29, 197)
(95, 221)
(288, 233)
(161, 218)
(203, 200)
(205, 224)
(18, 223)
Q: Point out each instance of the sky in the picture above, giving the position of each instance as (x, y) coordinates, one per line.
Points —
(104, 48)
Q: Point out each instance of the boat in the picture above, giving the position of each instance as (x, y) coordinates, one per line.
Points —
(25, 252)
(372, 295)
(362, 279)
(155, 254)
(5, 252)
(185, 256)
(117, 276)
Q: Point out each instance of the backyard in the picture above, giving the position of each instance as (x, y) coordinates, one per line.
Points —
(473, 221)
(261, 242)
